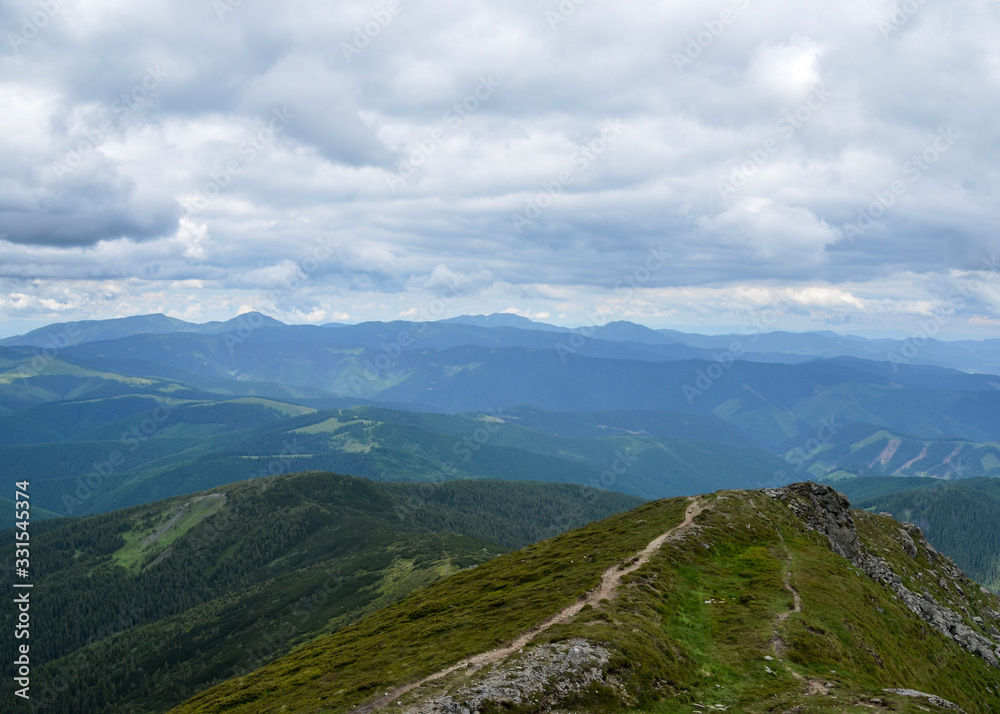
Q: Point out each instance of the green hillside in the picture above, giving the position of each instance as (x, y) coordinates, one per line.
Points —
(766, 601)
(7, 512)
(139, 609)
(456, 368)
(876, 450)
(98, 455)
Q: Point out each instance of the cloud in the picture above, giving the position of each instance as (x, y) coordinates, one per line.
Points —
(787, 71)
(774, 230)
(191, 196)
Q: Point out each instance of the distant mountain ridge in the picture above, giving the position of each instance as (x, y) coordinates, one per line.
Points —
(453, 368)
(67, 334)
(966, 355)
(505, 319)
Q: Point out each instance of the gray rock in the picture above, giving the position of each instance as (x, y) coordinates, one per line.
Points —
(932, 699)
(824, 510)
(828, 512)
(908, 545)
(547, 672)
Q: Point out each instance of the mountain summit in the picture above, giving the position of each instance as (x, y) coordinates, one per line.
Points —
(779, 600)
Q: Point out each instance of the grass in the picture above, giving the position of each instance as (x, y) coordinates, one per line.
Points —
(329, 426)
(470, 612)
(289, 410)
(874, 438)
(145, 543)
(692, 627)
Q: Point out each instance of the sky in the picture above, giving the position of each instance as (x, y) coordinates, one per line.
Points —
(689, 164)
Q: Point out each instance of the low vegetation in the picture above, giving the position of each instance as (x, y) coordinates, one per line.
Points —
(709, 622)
(139, 609)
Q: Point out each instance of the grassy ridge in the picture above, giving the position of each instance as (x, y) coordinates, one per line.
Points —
(468, 613)
(692, 627)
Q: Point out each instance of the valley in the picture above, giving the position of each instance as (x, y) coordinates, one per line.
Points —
(198, 542)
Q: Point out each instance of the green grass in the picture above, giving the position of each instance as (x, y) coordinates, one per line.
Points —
(144, 544)
(290, 410)
(142, 627)
(692, 627)
(445, 622)
(324, 427)
(873, 439)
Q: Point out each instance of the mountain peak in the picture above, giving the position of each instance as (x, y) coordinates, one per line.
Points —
(67, 334)
(503, 319)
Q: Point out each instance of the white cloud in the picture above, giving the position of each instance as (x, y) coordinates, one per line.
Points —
(310, 206)
(774, 230)
(787, 71)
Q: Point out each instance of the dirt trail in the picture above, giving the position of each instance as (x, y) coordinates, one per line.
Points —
(777, 643)
(796, 598)
(606, 590)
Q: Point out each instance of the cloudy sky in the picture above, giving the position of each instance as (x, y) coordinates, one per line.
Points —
(685, 163)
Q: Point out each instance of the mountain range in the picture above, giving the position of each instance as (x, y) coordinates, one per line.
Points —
(196, 542)
(502, 329)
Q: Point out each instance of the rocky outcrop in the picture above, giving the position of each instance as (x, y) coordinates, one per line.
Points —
(549, 672)
(931, 699)
(824, 510)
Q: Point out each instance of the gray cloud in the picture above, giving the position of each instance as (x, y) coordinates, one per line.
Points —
(391, 157)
